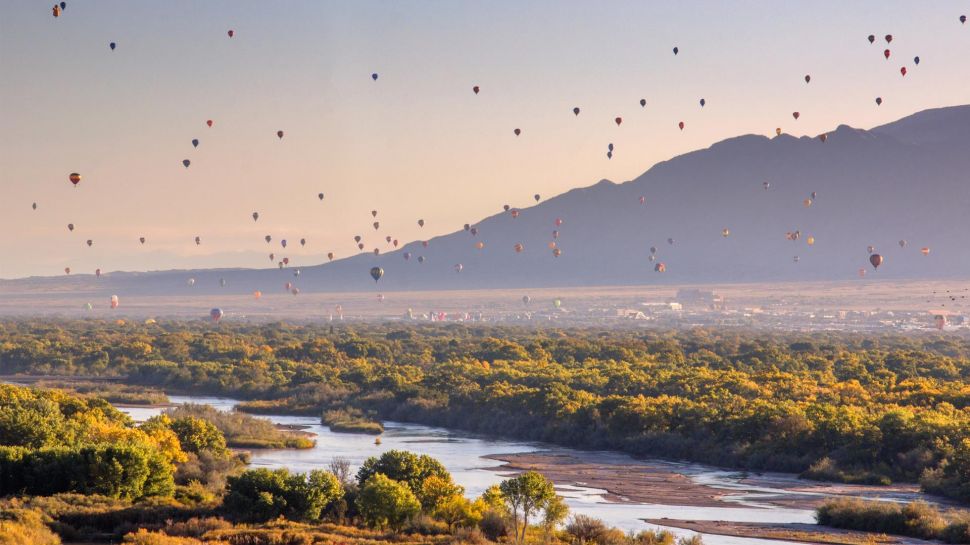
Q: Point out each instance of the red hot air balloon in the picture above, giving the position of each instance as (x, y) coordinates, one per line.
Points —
(796, 115)
(681, 125)
(75, 178)
(231, 33)
(515, 213)
(475, 89)
(424, 243)
(558, 222)
(903, 71)
(875, 260)
(889, 38)
(279, 134)
(208, 122)
(518, 247)
(618, 120)
(886, 54)
(660, 267)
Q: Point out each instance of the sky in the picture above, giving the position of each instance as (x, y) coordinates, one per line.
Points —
(417, 143)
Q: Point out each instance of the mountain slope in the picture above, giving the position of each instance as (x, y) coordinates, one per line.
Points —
(905, 180)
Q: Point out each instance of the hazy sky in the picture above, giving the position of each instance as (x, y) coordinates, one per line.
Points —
(417, 143)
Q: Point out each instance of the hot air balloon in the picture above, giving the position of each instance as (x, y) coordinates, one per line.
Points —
(114, 301)
(283, 243)
(670, 241)
(681, 125)
(889, 38)
(766, 185)
(406, 256)
(373, 213)
(886, 54)
(190, 282)
(279, 134)
(186, 163)
(555, 234)
(75, 178)
(810, 240)
(374, 76)
(208, 122)
(377, 225)
(302, 242)
(862, 273)
(875, 260)
(459, 267)
(518, 247)
(878, 101)
(34, 206)
(609, 155)
(67, 270)
(916, 61)
(643, 200)
(676, 50)
(231, 33)
(778, 131)
(618, 120)
(807, 203)
(420, 223)
(725, 232)
(387, 239)
(925, 251)
(556, 252)
(198, 241)
(141, 240)
(653, 249)
(90, 243)
(870, 248)
(475, 89)
(903, 71)
(660, 267)
(537, 197)
(320, 196)
(643, 102)
(222, 282)
(195, 142)
(268, 238)
(823, 137)
(557, 303)
(814, 194)
(467, 226)
(56, 11)
(796, 115)
(255, 216)
(97, 272)
(376, 273)
(515, 213)
(216, 314)
(902, 243)
(963, 19)
(609, 146)
(552, 245)
(420, 259)
(425, 243)
(558, 222)
(808, 78)
(479, 245)
(576, 111)
(286, 261)
(517, 131)
(330, 256)
(272, 257)
(703, 102)
(70, 227)
(505, 207)
(257, 294)
(526, 300)
(357, 238)
(112, 45)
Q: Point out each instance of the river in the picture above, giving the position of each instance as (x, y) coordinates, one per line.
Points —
(464, 456)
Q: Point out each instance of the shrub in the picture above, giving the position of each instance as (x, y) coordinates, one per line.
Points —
(384, 502)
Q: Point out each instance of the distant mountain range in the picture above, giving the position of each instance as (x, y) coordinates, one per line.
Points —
(908, 180)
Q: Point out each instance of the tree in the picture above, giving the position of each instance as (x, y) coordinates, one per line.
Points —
(406, 467)
(384, 502)
(553, 513)
(525, 495)
(198, 435)
(457, 510)
(436, 489)
(262, 494)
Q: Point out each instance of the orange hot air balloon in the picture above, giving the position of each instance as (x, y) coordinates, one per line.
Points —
(810, 240)
(925, 251)
(479, 245)
(796, 115)
(875, 260)
(618, 120)
(75, 178)
(56, 11)
(556, 252)
(330, 256)
(518, 247)
(681, 125)
(552, 245)
(257, 294)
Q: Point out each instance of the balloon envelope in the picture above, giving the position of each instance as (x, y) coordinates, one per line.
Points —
(376, 273)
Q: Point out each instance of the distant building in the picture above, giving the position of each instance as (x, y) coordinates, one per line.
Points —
(694, 298)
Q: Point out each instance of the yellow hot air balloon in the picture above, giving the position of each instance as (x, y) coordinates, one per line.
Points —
(811, 241)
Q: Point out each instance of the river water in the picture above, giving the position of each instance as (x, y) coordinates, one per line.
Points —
(464, 456)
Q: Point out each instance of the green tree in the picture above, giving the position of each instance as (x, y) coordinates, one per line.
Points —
(198, 435)
(525, 495)
(263, 494)
(384, 502)
(406, 467)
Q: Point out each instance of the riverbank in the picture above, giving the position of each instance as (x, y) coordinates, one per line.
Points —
(800, 533)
